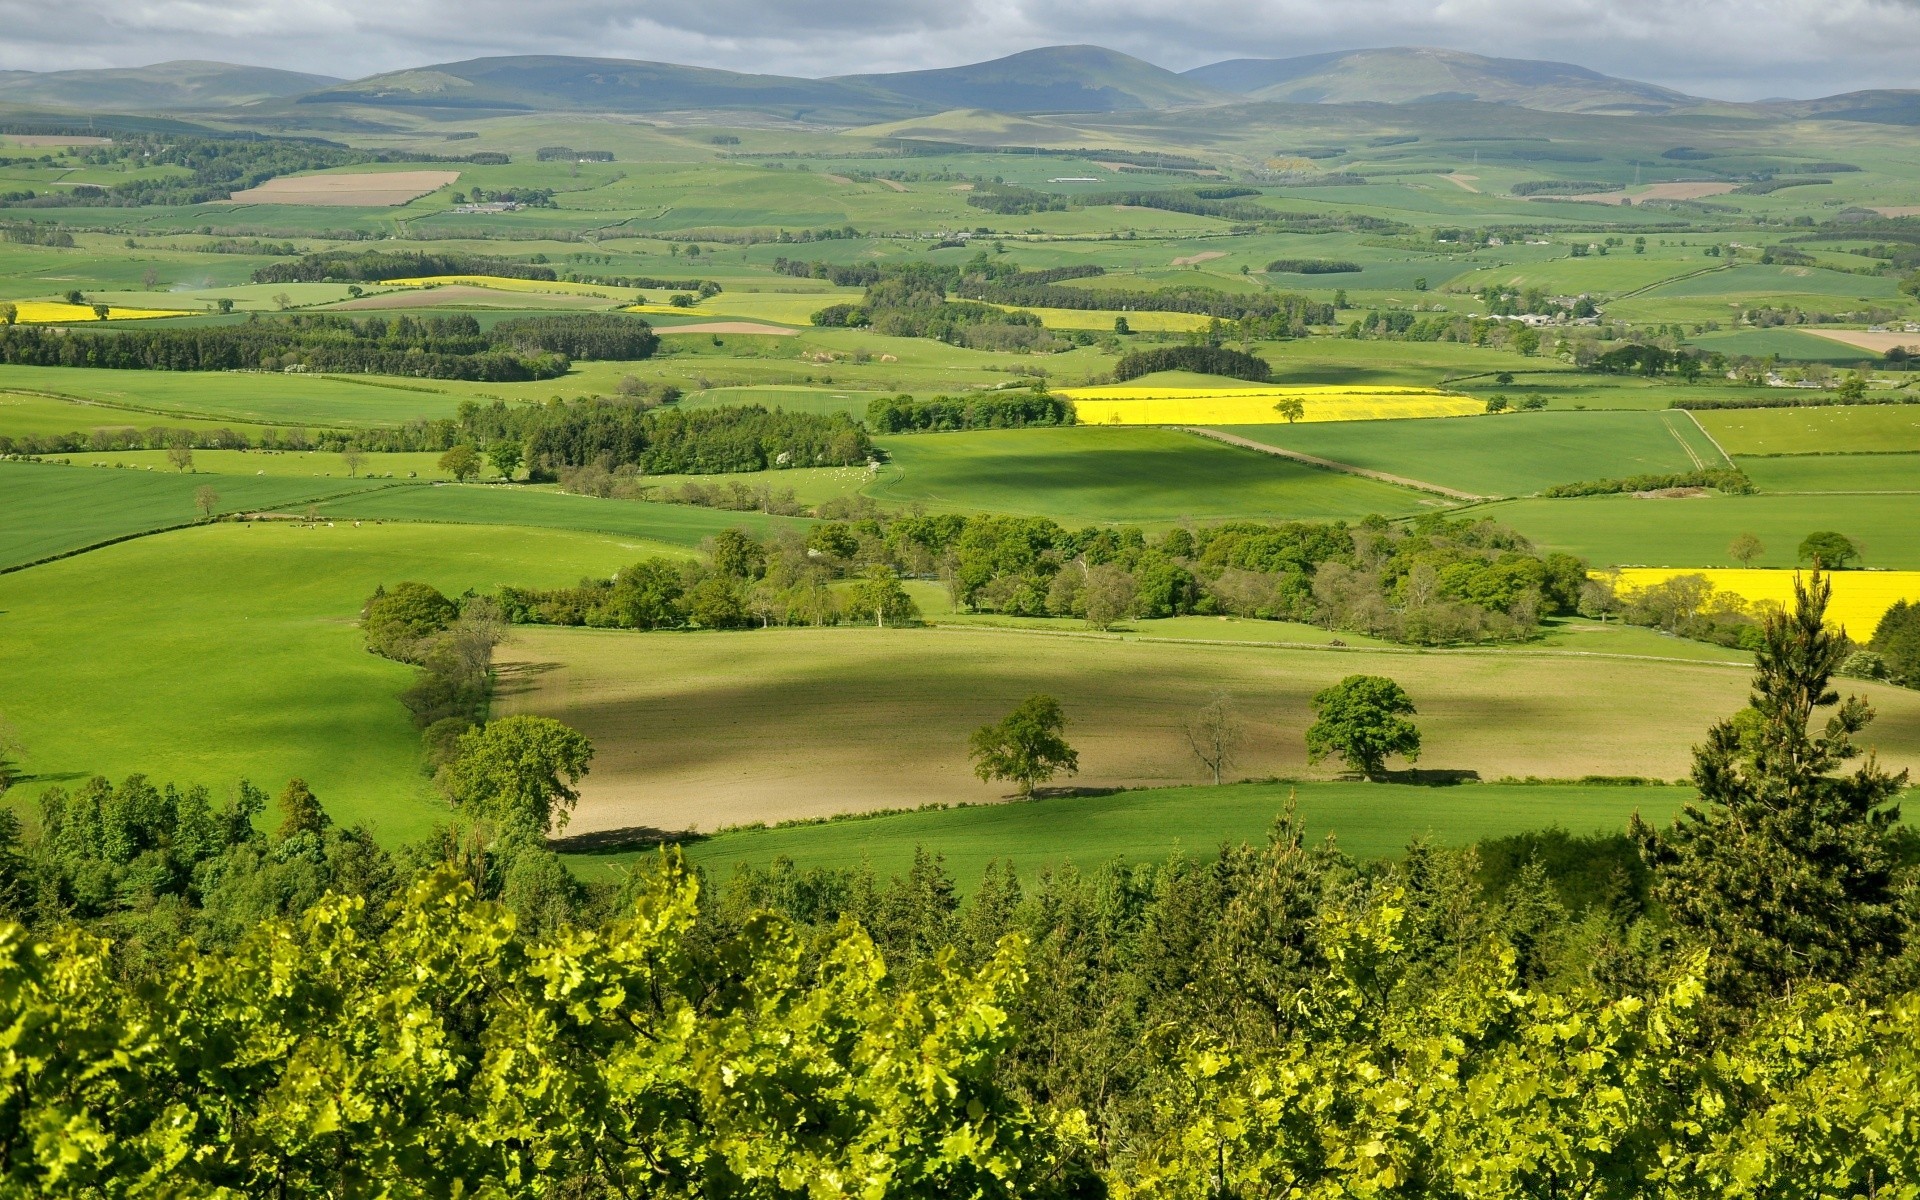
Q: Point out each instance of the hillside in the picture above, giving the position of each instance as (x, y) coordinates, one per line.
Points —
(169, 85)
(1050, 79)
(539, 83)
(1412, 75)
(1887, 106)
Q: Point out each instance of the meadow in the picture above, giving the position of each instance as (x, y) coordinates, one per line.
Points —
(535, 508)
(1831, 473)
(707, 730)
(1864, 429)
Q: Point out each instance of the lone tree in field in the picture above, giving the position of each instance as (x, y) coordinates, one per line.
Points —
(1292, 408)
(1829, 550)
(1363, 719)
(1215, 733)
(1785, 870)
(9, 314)
(518, 773)
(101, 312)
(462, 462)
(505, 458)
(1745, 548)
(1026, 748)
(207, 501)
(353, 458)
(878, 594)
(180, 453)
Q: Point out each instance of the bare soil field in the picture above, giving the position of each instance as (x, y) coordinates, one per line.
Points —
(1879, 343)
(467, 294)
(728, 327)
(1463, 181)
(47, 139)
(363, 189)
(701, 730)
(1203, 256)
(1900, 210)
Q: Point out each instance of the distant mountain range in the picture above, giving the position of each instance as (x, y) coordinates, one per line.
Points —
(1054, 79)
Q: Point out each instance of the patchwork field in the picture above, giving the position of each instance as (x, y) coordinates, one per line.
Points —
(1836, 473)
(700, 731)
(1860, 598)
(1695, 532)
(1859, 429)
(59, 312)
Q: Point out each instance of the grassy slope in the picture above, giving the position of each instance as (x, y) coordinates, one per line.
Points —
(1087, 475)
(1874, 428)
(1513, 455)
(230, 650)
(1368, 821)
(706, 730)
(1623, 531)
(54, 509)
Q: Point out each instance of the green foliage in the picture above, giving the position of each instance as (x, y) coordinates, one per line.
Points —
(1828, 549)
(992, 410)
(1731, 480)
(1785, 870)
(1311, 266)
(878, 595)
(397, 622)
(1025, 748)
(518, 773)
(1363, 720)
(1204, 360)
(1897, 641)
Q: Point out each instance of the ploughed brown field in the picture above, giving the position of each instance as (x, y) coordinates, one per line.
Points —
(450, 294)
(361, 189)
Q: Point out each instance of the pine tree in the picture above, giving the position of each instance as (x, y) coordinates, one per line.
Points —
(1785, 869)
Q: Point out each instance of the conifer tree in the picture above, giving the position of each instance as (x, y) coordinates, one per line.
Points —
(1784, 868)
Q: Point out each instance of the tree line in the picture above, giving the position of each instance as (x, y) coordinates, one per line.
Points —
(440, 347)
(375, 266)
(1011, 409)
(1205, 360)
(1720, 1007)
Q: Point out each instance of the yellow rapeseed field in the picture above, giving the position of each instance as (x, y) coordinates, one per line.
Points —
(56, 312)
(502, 283)
(1124, 405)
(1860, 598)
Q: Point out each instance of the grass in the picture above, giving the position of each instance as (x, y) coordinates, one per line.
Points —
(1860, 598)
(1816, 473)
(230, 651)
(707, 730)
(54, 509)
(1085, 475)
(304, 464)
(1514, 454)
(1624, 531)
(1367, 821)
(146, 398)
(534, 508)
(1873, 428)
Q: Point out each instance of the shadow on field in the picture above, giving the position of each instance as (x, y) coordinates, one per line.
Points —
(514, 679)
(616, 841)
(1419, 778)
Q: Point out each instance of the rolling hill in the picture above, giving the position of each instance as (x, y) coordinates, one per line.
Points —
(1060, 79)
(172, 86)
(1412, 75)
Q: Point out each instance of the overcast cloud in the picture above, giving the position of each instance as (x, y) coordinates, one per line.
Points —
(1733, 49)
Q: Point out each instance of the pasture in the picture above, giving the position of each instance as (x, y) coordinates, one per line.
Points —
(1835, 473)
(636, 521)
(1855, 429)
(1376, 820)
(698, 731)
(1082, 475)
(52, 509)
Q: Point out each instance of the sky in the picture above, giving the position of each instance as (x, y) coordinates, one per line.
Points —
(1727, 49)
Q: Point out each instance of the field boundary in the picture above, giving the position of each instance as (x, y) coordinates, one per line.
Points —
(1328, 464)
(1709, 436)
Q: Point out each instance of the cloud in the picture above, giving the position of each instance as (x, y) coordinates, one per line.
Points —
(1737, 49)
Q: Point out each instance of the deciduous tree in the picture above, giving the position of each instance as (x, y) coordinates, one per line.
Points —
(1363, 719)
(207, 501)
(519, 773)
(1215, 734)
(1027, 747)
(462, 462)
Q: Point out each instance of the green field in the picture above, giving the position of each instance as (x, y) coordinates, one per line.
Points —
(1835, 473)
(1514, 454)
(1084, 475)
(535, 508)
(707, 730)
(1861, 429)
(55, 510)
(143, 398)
(1366, 820)
(1624, 531)
(231, 651)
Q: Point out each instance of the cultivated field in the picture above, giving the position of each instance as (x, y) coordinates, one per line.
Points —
(361, 189)
(701, 731)
(1138, 404)
(1860, 598)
